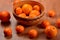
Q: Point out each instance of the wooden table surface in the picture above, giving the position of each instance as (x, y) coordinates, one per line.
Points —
(48, 5)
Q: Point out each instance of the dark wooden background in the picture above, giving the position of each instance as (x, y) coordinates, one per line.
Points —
(48, 4)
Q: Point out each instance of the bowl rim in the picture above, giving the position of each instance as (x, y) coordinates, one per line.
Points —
(42, 13)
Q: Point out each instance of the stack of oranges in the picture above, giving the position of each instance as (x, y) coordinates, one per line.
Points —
(28, 11)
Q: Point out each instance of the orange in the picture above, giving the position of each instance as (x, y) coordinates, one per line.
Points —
(20, 29)
(18, 10)
(51, 31)
(51, 13)
(32, 33)
(45, 23)
(5, 16)
(8, 31)
(23, 15)
(27, 8)
(58, 23)
(36, 7)
(34, 13)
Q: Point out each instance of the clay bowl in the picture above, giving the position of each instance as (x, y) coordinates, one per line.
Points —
(29, 21)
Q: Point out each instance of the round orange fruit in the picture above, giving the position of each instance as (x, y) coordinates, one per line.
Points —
(27, 8)
(58, 22)
(51, 31)
(45, 23)
(23, 15)
(8, 32)
(51, 13)
(32, 33)
(34, 13)
(20, 29)
(36, 7)
(18, 10)
(5, 16)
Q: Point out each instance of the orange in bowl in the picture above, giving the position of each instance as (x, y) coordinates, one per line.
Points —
(27, 8)
(23, 15)
(36, 7)
(18, 10)
(34, 13)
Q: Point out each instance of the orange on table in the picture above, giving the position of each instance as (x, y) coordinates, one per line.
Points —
(27, 8)
(36, 7)
(33, 33)
(8, 31)
(5, 16)
(51, 31)
(34, 13)
(58, 22)
(45, 23)
(51, 13)
(18, 10)
(20, 29)
(23, 15)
